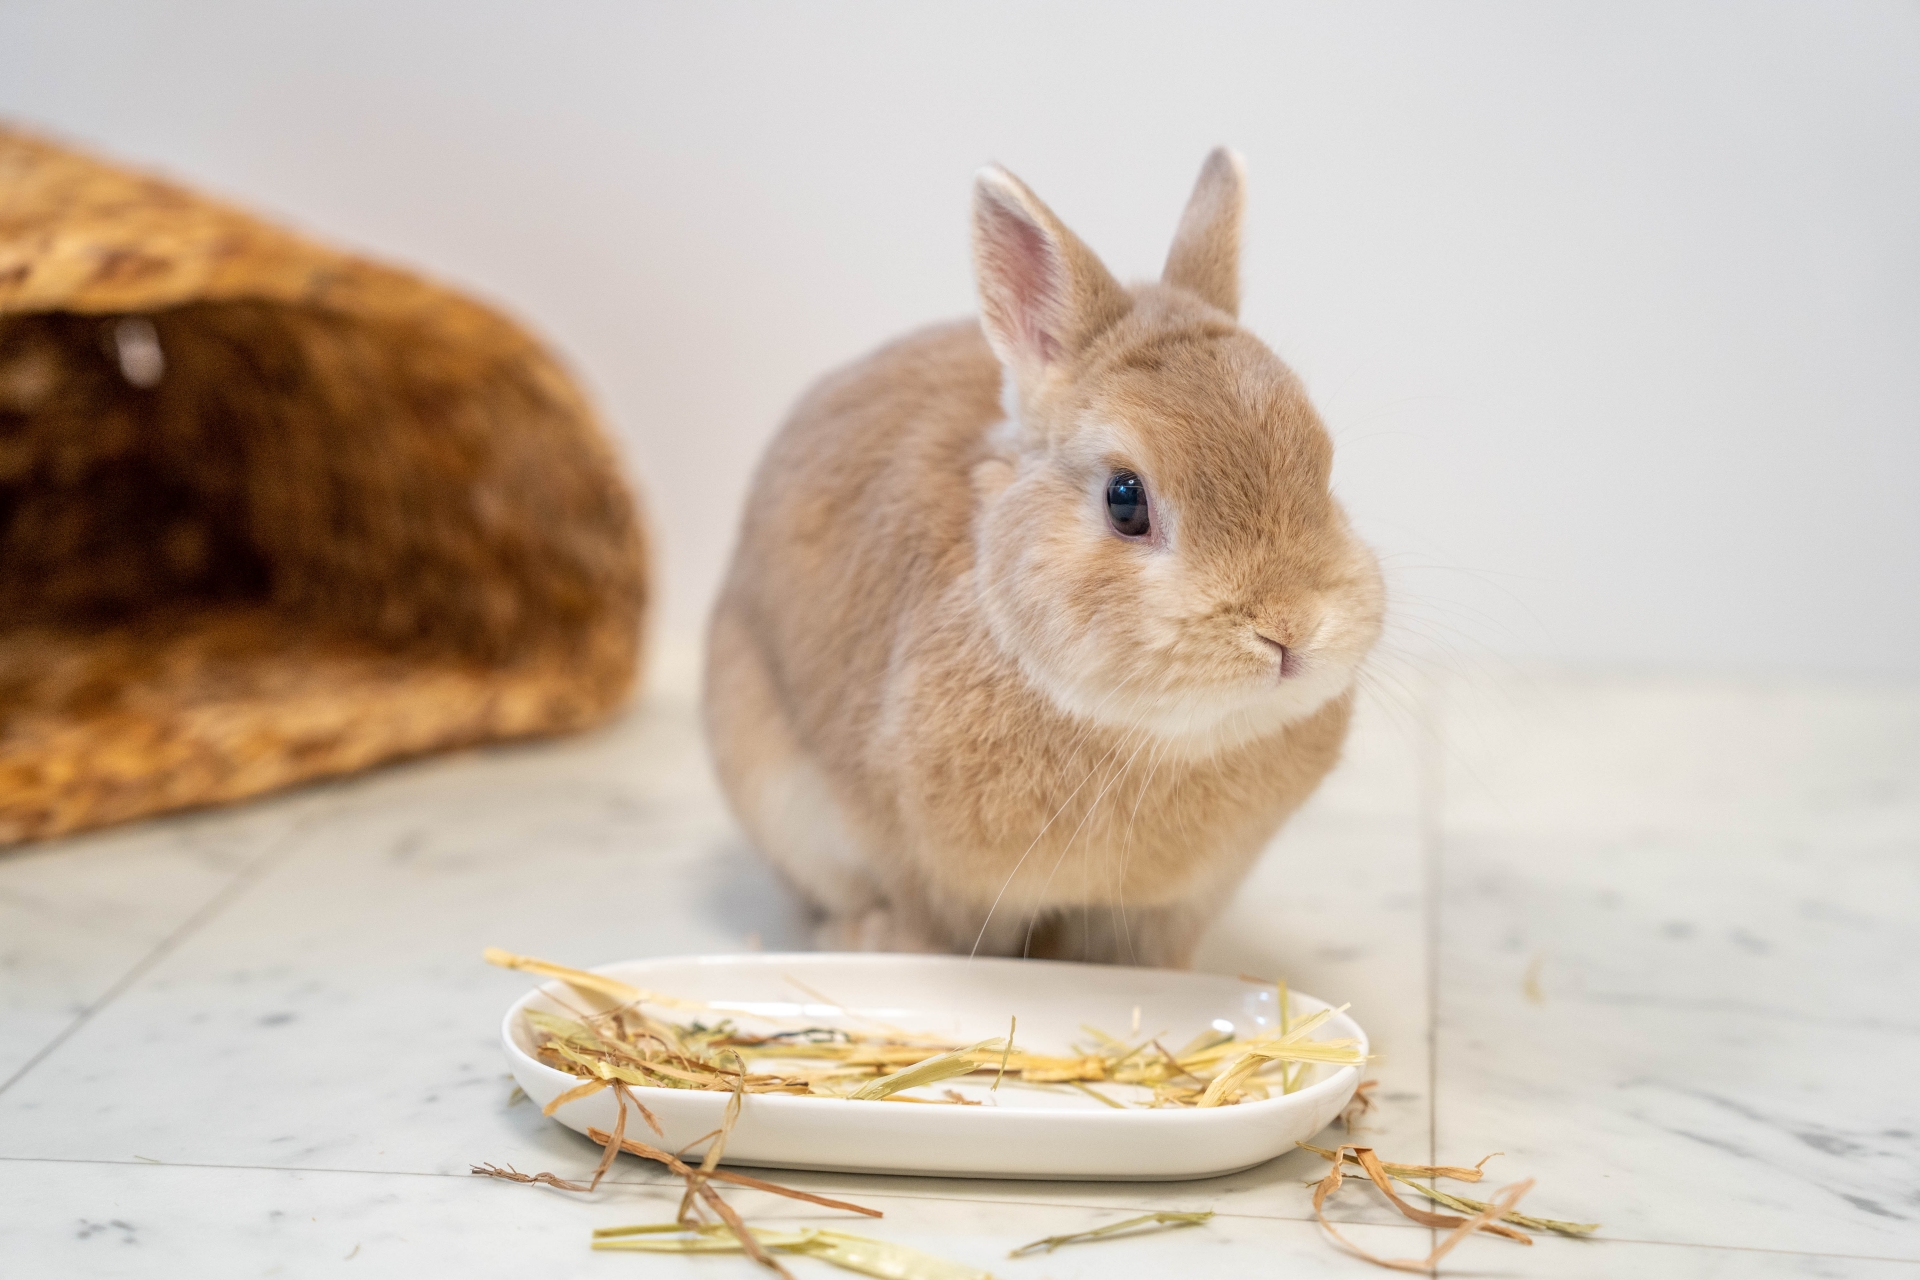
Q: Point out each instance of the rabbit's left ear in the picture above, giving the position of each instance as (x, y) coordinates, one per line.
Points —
(1043, 294)
(1205, 258)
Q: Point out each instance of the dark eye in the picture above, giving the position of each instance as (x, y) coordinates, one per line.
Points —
(1127, 504)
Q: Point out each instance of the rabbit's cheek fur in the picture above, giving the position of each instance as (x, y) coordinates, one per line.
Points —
(1123, 635)
(1037, 608)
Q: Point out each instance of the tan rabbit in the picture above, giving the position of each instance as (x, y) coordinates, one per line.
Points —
(1041, 625)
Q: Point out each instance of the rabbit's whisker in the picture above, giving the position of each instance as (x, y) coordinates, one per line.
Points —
(1039, 901)
(1085, 731)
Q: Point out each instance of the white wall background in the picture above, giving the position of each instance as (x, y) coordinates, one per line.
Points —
(1614, 308)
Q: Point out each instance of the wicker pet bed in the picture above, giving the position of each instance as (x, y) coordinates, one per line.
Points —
(269, 512)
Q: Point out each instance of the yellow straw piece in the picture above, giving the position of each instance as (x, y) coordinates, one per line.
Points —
(862, 1254)
(1130, 1226)
(600, 984)
(944, 1067)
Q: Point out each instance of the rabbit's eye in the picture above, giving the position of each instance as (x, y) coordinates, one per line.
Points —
(1127, 504)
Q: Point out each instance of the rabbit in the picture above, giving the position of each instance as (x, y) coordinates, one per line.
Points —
(1039, 626)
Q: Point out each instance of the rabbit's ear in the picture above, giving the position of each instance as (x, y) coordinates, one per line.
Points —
(1205, 258)
(1043, 294)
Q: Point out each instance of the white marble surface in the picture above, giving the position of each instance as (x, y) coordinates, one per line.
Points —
(1655, 939)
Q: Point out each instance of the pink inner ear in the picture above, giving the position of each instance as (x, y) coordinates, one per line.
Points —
(1024, 266)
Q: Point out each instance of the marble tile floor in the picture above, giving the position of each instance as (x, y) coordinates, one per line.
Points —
(1654, 938)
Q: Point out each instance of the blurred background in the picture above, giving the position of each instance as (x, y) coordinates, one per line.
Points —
(1614, 309)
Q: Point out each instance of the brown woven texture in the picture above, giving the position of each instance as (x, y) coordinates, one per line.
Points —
(348, 516)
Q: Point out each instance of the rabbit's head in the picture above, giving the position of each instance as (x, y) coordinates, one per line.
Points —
(1156, 542)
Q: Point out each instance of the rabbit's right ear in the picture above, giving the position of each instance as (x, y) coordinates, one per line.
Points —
(1043, 294)
(1205, 258)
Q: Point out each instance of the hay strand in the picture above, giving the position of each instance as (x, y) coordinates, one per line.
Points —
(1462, 1204)
(945, 1066)
(1167, 1219)
(861, 1254)
(673, 1162)
(1489, 1217)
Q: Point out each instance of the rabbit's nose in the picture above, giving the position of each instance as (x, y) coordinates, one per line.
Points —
(1289, 660)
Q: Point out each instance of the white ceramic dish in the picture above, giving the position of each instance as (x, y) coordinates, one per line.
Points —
(1020, 1132)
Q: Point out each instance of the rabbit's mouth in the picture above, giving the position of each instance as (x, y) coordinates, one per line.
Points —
(1197, 716)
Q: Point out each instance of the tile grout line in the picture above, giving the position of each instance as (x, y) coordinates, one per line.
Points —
(666, 1181)
(1432, 758)
(201, 915)
(663, 1181)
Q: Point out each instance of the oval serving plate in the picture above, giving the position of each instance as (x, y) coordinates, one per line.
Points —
(1020, 1132)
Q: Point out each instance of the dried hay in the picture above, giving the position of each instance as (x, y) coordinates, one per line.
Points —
(862, 1254)
(624, 1045)
(1131, 1227)
(1494, 1217)
(629, 1044)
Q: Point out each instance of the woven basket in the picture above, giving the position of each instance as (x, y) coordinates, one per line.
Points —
(270, 512)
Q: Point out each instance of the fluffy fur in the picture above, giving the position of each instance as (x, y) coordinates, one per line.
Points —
(950, 701)
(321, 514)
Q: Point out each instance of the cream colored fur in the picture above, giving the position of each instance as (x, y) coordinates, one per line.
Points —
(953, 705)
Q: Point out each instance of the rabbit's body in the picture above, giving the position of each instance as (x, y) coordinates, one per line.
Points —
(956, 712)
